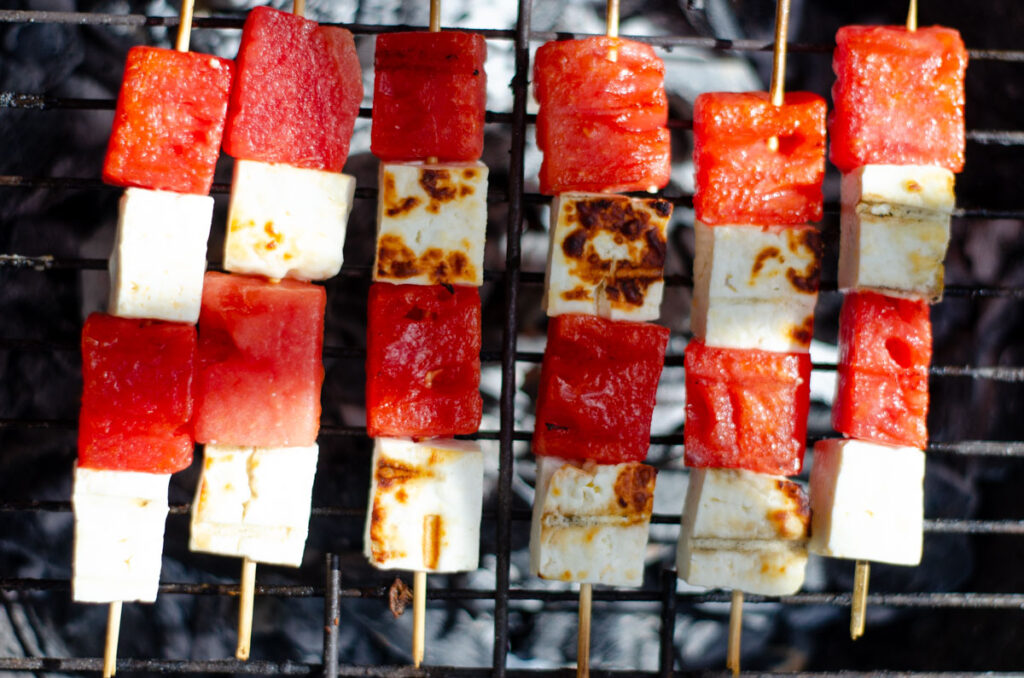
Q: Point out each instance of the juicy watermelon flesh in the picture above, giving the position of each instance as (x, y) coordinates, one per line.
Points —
(297, 92)
(260, 368)
(739, 179)
(597, 388)
(746, 408)
(423, 361)
(137, 395)
(169, 121)
(899, 97)
(429, 96)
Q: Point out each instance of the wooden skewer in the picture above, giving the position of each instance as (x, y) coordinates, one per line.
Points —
(113, 632)
(612, 14)
(299, 8)
(245, 609)
(184, 26)
(583, 631)
(419, 615)
(912, 16)
(435, 16)
(778, 89)
(858, 608)
(732, 660)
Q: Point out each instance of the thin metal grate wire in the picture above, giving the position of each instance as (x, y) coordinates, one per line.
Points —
(510, 278)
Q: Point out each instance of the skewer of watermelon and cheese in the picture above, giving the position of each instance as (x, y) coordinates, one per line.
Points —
(759, 160)
(292, 109)
(423, 329)
(138, 361)
(898, 137)
(603, 283)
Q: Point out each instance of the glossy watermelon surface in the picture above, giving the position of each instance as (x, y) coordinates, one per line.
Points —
(885, 349)
(898, 97)
(260, 368)
(746, 408)
(602, 118)
(169, 120)
(598, 383)
(137, 395)
(740, 179)
(429, 96)
(423, 360)
(296, 94)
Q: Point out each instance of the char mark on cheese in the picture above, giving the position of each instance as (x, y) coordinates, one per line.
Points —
(801, 504)
(396, 260)
(391, 473)
(437, 184)
(805, 332)
(634, 489)
(432, 533)
(763, 256)
(806, 281)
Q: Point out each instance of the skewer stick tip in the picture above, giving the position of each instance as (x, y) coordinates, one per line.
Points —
(299, 8)
(912, 16)
(612, 19)
(435, 16)
(419, 613)
(858, 608)
(184, 26)
(113, 633)
(248, 591)
(732, 661)
(583, 630)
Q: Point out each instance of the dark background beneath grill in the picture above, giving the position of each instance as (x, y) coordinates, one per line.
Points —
(41, 315)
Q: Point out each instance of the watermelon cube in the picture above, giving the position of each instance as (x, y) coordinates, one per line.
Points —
(602, 118)
(884, 355)
(137, 394)
(739, 178)
(746, 408)
(598, 382)
(899, 97)
(260, 369)
(429, 96)
(169, 120)
(423, 361)
(296, 94)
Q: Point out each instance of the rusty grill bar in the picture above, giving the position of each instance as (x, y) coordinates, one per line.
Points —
(510, 279)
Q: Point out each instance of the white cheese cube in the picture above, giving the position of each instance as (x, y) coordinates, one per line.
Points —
(431, 223)
(607, 256)
(159, 257)
(287, 222)
(743, 530)
(591, 521)
(867, 501)
(119, 535)
(895, 228)
(254, 502)
(425, 504)
(755, 286)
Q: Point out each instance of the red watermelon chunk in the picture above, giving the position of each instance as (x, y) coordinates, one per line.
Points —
(423, 361)
(884, 355)
(602, 117)
(597, 388)
(169, 120)
(899, 97)
(746, 408)
(739, 179)
(137, 394)
(260, 368)
(297, 92)
(429, 96)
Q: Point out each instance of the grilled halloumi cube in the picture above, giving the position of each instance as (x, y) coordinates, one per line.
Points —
(867, 500)
(895, 229)
(425, 503)
(254, 502)
(287, 222)
(743, 530)
(431, 223)
(756, 286)
(159, 257)
(119, 534)
(607, 256)
(590, 521)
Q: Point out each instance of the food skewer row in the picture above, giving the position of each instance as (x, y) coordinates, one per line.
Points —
(603, 282)
(289, 121)
(424, 325)
(759, 160)
(138, 359)
(898, 137)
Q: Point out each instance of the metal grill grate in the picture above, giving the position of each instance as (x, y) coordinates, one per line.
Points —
(665, 597)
